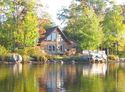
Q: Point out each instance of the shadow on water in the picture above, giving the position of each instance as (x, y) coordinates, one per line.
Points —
(99, 77)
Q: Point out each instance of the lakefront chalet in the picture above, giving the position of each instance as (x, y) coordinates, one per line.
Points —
(54, 41)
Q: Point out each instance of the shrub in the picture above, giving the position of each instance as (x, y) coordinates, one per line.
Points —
(9, 58)
(57, 57)
(113, 57)
(3, 52)
(33, 53)
(38, 54)
(26, 58)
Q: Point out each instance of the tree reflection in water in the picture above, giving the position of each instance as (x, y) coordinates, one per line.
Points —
(63, 78)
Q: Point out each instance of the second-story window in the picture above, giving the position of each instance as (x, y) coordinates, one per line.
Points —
(53, 36)
(59, 38)
(49, 38)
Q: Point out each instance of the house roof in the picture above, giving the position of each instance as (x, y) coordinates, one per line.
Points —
(50, 30)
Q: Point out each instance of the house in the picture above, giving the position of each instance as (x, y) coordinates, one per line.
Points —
(54, 41)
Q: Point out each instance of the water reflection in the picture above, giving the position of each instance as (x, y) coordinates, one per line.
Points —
(17, 68)
(95, 69)
(62, 78)
(53, 80)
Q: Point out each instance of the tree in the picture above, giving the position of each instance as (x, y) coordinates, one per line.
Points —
(21, 24)
(113, 27)
(84, 27)
(27, 34)
(99, 7)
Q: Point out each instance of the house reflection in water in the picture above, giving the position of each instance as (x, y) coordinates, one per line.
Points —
(52, 81)
(56, 77)
(95, 69)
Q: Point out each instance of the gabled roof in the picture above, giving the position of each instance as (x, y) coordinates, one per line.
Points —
(50, 30)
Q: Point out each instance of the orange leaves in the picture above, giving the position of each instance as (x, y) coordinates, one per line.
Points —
(42, 32)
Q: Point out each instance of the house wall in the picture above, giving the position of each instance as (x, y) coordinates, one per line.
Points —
(44, 46)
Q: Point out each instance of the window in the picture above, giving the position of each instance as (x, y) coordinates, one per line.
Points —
(50, 48)
(60, 38)
(61, 48)
(54, 48)
(49, 38)
(53, 36)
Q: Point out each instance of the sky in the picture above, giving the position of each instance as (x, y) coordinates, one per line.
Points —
(53, 6)
(120, 1)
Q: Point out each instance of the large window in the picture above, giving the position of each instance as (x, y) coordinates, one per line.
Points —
(49, 38)
(53, 36)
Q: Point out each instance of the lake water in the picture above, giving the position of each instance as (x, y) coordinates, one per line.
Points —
(63, 78)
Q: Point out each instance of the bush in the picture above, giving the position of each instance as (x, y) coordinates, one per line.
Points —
(3, 53)
(33, 53)
(26, 58)
(9, 58)
(113, 57)
(38, 54)
(57, 57)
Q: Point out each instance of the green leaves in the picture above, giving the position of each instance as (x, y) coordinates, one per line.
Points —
(113, 26)
(85, 29)
(91, 25)
(21, 27)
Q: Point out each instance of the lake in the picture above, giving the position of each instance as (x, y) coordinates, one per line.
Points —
(63, 78)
